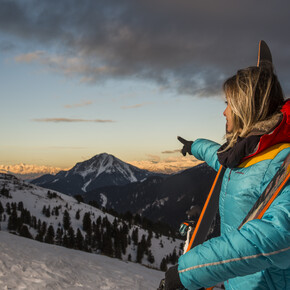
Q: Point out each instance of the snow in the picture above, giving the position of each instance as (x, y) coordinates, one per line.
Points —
(104, 200)
(34, 198)
(28, 264)
(84, 188)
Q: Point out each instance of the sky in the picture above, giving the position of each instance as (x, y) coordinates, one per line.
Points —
(79, 78)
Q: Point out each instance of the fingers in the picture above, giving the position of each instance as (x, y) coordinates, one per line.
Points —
(183, 141)
(183, 151)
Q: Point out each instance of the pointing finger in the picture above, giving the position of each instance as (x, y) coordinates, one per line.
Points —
(183, 141)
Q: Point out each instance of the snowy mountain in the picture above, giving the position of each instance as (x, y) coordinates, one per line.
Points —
(99, 171)
(55, 218)
(160, 199)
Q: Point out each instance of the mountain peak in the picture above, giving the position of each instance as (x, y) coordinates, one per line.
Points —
(101, 170)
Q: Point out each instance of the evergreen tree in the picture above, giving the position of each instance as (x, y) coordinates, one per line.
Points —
(24, 232)
(13, 221)
(79, 240)
(39, 237)
(107, 245)
(163, 265)
(47, 213)
(5, 192)
(20, 206)
(117, 244)
(78, 214)
(8, 208)
(141, 249)
(43, 229)
(173, 258)
(44, 210)
(149, 238)
(135, 236)
(150, 258)
(1, 211)
(66, 220)
(87, 223)
(56, 212)
(58, 237)
(65, 242)
(71, 237)
(49, 238)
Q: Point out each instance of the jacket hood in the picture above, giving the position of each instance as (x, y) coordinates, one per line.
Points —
(281, 134)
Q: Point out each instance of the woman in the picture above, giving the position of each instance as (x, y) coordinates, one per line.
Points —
(258, 140)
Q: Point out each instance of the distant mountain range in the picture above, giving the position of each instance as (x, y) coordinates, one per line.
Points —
(117, 185)
(158, 198)
(100, 171)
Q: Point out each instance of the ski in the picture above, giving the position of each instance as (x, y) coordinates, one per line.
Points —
(270, 193)
(264, 54)
(208, 212)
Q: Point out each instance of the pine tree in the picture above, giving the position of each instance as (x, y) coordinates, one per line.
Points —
(107, 245)
(44, 210)
(87, 223)
(71, 237)
(1, 211)
(20, 206)
(117, 243)
(43, 229)
(150, 258)
(13, 221)
(150, 234)
(79, 240)
(163, 265)
(66, 220)
(24, 232)
(78, 214)
(58, 237)
(141, 249)
(135, 236)
(47, 213)
(8, 208)
(49, 238)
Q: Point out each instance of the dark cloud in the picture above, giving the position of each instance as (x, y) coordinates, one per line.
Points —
(188, 46)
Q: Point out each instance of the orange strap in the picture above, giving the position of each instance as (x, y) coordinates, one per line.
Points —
(203, 211)
(275, 194)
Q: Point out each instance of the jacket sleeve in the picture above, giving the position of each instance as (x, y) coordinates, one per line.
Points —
(259, 244)
(206, 150)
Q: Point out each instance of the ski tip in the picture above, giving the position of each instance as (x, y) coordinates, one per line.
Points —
(264, 54)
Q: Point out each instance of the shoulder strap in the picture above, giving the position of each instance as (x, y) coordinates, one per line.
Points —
(270, 193)
(208, 212)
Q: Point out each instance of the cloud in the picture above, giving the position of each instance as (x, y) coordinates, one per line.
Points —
(71, 120)
(168, 165)
(186, 46)
(83, 104)
(29, 171)
(171, 151)
(135, 106)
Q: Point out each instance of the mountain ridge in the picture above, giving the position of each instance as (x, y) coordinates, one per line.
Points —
(101, 170)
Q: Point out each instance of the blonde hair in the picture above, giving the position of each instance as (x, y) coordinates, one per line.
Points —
(254, 95)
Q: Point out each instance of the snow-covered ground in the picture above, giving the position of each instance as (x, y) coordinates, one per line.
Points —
(28, 264)
(34, 198)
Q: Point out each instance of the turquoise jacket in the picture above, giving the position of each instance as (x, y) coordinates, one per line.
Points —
(258, 255)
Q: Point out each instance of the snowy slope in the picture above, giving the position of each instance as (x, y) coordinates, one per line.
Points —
(34, 198)
(27, 264)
